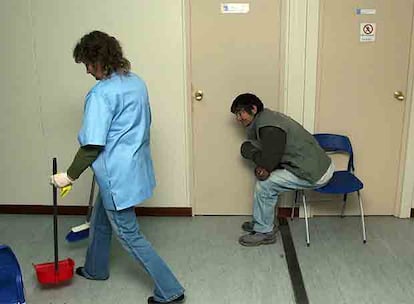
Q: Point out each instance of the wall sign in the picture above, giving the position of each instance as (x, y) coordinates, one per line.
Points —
(235, 8)
(367, 32)
(366, 11)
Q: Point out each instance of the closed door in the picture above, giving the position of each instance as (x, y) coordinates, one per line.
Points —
(231, 53)
(357, 84)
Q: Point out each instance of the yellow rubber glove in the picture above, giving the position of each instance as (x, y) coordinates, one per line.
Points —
(65, 190)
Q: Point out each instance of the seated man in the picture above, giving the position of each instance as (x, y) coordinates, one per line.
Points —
(287, 157)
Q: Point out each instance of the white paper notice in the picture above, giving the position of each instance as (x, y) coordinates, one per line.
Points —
(367, 32)
(366, 11)
(235, 8)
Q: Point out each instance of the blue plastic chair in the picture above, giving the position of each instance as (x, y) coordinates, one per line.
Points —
(342, 182)
(11, 281)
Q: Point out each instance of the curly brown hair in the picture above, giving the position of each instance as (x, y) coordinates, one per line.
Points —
(99, 48)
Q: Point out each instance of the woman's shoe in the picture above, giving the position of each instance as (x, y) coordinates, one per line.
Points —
(80, 271)
(180, 299)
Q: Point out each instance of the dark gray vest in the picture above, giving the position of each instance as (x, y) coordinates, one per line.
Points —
(303, 156)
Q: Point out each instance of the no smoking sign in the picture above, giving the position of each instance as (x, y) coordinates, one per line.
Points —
(367, 32)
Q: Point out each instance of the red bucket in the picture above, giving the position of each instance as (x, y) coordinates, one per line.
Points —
(46, 273)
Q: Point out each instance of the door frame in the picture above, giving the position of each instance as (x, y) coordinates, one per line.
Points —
(300, 60)
(405, 201)
(189, 143)
(299, 89)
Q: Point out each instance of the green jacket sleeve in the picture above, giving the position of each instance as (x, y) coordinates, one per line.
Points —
(84, 158)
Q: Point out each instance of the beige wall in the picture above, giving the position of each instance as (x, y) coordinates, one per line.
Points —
(42, 90)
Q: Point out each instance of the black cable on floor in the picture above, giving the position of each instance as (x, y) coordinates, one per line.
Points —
(295, 273)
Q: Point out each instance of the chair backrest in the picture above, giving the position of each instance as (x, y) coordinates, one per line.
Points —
(337, 143)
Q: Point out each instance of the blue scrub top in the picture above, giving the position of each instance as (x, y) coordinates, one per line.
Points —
(117, 115)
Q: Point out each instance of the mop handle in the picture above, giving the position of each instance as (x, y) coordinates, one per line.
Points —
(91, 195)
(55, 211)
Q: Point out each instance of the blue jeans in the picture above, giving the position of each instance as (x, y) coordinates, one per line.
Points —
(125, 226)
(267, 192)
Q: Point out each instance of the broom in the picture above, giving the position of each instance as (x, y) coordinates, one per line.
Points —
(81, 232)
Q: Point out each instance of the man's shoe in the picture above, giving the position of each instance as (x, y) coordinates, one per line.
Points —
(180, 299)
(248, 227)
(257, 238)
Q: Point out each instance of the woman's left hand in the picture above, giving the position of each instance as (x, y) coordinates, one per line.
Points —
(60, 180)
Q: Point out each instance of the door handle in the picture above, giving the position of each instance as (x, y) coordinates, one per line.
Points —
(399, 95)
(198, 95)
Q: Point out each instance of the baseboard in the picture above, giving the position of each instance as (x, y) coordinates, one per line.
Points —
(285, 212)
(82, 210)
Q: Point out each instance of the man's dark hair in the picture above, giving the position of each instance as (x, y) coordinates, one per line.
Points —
(99, 48)
(246, 102)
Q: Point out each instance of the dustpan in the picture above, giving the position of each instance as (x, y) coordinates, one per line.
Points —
(11, 280)
(49, 273)
(58, 271)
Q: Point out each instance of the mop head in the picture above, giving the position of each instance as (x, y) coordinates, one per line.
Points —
(78, 233)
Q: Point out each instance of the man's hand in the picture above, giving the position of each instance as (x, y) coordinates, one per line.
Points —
(61, 180)
(261, 173)
(248, 150)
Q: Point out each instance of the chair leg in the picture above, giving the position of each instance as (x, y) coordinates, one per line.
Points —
(343, 206)
(294, 205)
(343, 209)
(364, 234)
(305, 209)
